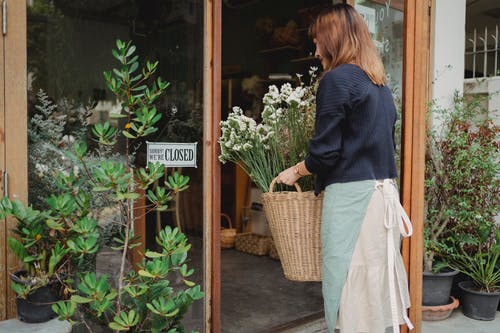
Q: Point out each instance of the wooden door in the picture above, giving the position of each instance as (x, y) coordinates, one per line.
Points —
(414, 98)
(118, 19)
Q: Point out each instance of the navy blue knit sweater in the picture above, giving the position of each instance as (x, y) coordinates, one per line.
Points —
(354, 134)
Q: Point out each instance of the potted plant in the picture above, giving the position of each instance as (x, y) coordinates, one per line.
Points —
(462, 188)
(146, 300)
(481, 295)
(437, 281)
(48, 243)
(56, 232)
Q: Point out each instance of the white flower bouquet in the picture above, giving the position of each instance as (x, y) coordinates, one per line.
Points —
(280, 141)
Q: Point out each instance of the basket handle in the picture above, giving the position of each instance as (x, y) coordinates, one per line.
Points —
(271, 186)
(228, 219)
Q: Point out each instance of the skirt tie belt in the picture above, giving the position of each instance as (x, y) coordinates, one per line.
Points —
(394, 217)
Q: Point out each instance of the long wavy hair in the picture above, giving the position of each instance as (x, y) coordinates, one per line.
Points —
(343, 36)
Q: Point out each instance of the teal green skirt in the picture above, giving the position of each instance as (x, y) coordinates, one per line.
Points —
(364, 281)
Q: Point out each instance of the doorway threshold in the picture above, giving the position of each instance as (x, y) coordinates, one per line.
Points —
(314, 323)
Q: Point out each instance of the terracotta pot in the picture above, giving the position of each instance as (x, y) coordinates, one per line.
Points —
(439, 312)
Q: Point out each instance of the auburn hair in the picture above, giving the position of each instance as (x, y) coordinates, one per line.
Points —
(343, 36)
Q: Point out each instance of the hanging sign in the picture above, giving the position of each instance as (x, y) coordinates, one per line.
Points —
(172, 154)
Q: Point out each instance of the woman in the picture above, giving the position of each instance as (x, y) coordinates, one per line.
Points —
(352, 155)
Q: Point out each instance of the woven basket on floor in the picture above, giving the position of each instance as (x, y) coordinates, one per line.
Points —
(227, 235)
(251, 243)
(295, 222)
(273, 252)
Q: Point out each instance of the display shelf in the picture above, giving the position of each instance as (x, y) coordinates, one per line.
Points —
(304, 59)
(279, 49)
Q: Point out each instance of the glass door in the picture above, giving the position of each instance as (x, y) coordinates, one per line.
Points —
(69, 46)
(386, 25)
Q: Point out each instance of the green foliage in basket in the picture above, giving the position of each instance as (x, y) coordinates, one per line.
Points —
(280, 141)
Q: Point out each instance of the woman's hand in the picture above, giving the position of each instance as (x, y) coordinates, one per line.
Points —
(288, 176)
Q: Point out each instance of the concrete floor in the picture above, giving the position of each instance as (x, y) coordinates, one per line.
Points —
(458, 323)
(256, 298)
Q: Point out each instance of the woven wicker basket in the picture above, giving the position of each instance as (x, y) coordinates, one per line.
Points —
(273, 251)
(251, 243)
(295, 222)
(227, 235)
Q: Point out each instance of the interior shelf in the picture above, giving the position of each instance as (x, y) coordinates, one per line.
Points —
(280, 49)
(304, 59)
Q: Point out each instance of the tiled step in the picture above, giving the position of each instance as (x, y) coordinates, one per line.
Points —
(52, 326)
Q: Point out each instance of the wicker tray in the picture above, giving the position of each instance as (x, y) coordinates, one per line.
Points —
(252, 243)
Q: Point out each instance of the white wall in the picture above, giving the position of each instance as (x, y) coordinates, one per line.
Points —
(489, 86)
(449, 48)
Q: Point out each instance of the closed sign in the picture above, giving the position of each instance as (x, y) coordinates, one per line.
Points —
(172, 154)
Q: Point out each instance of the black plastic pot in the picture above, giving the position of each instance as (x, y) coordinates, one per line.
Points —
(436, 288)
(37, 307)
(477, 304)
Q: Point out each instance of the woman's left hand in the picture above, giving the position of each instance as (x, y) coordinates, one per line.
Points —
(288, 176)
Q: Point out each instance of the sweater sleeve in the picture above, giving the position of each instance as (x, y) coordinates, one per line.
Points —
(332, 101)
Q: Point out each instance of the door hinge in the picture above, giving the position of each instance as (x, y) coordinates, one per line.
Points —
(4, 183)
(4, 17)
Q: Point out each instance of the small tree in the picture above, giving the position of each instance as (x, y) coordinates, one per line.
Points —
(462, 180)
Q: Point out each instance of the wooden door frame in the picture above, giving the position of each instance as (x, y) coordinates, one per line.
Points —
(415, 97)
(416, 84)
(14, 145)
(4, 278)
(211, 165)
(416, 66)
(15, 125)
